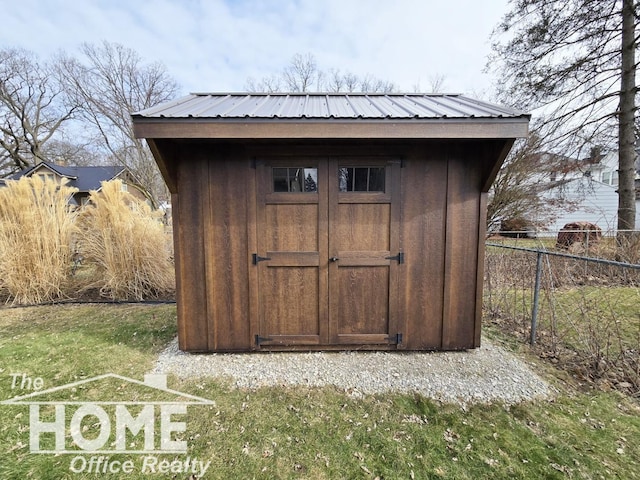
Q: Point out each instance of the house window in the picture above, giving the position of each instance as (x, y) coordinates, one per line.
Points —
(46, 176)
(610, 178)
(361, 179)
(295, 179)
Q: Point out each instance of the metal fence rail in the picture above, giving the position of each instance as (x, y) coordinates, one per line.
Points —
(581, 311)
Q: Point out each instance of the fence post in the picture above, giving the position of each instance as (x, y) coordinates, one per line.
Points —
(536, 298)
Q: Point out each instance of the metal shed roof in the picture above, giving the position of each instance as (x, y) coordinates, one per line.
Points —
(327, 106)
(328, 115)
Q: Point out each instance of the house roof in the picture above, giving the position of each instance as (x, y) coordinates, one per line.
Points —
(83, 178)
(329, 115)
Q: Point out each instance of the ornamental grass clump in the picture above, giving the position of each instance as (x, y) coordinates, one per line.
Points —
(126, 243)
(37, 227)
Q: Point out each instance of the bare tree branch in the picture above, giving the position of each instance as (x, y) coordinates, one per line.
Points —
(32, 109)
(109, 83)
(574, 60)
(302, 74)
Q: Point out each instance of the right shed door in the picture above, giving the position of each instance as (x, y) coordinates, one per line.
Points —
(364, 251)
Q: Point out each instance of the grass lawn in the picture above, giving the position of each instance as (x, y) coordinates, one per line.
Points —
(301, 432)
(583, 318)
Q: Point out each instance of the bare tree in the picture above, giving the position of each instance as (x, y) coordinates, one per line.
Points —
(62, 151)
(350, 82)
(32, 109)
(437, 83)
(110, 82)
(336, 81)
(269, 84)
(515, 194)
(574, 60)
(302, 74)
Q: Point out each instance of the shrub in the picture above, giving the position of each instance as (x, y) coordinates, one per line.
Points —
(126, 242)
(36, 235)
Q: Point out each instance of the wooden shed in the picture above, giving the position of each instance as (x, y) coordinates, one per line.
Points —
(329, 221)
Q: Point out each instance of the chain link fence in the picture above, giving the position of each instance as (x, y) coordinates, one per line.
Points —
(579, 307)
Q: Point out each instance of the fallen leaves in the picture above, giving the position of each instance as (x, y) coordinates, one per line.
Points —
(450, 436)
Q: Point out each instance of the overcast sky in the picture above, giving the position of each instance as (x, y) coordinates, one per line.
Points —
(215, 45)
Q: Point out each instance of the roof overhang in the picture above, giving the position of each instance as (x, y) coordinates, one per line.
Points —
(186, 128)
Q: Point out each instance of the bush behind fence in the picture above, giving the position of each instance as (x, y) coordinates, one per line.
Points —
(580, 311)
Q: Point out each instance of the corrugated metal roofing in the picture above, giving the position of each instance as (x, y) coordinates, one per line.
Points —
(373, 106)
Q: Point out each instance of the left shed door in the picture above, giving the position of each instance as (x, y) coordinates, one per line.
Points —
(292, 251)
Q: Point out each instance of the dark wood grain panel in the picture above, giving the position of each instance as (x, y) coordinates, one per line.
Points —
(463, 200)
(190, 258)
(424, 210)
(226, 250)
(293, 259)
(361, 227)
(291, 228)
(293, 342)
(363, 304)
(364, 258)
(358, 197)
(290, 301)
(360, 340)
(397, 320)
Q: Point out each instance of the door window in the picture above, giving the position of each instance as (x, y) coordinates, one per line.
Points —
(295, 179)
(361, 179)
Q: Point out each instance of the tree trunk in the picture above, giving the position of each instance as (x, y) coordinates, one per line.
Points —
(626, 137)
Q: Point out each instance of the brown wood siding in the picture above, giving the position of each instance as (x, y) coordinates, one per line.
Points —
(440, 225)
(191, 284)
(461, 252)
(211, 252)
(424, 208)
(226, 252)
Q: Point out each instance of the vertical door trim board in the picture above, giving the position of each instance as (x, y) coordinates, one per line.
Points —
(209, 247)
(446, 293)
(252, 246)
(397, 322)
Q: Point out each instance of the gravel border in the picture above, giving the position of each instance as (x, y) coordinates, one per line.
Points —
(484, 375)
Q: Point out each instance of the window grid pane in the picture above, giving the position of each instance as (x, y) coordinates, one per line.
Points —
(295, 179)
(361, 179)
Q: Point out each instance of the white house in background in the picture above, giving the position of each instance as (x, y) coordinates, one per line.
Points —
(589, 194)
(584, 200)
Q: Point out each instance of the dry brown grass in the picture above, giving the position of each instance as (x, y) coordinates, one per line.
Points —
(127, 243)
(629, 248)
(588, 319)
(36, 235)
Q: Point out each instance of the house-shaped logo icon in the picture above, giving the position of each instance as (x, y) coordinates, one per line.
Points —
(153, 404)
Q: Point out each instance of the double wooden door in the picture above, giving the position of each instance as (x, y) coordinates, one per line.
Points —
(328, 252)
